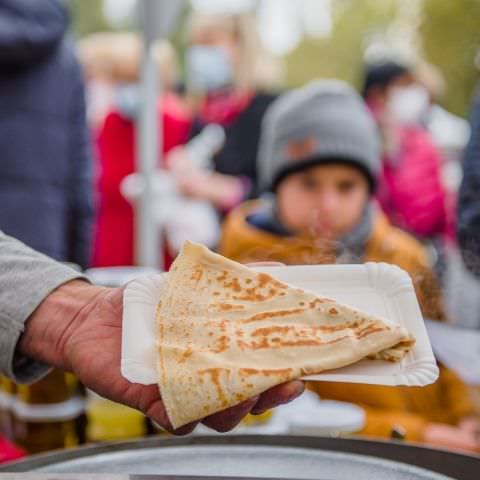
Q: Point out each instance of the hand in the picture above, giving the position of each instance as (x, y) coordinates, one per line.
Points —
(223, 191)
(179, 162)
(78, 328)
(470, 424)
(441, 435)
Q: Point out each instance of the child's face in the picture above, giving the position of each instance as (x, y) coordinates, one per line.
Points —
(325, 200)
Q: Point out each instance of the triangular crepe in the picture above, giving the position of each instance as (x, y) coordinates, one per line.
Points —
(227, 333)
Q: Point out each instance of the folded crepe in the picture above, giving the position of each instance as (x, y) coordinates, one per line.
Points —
(227, 333)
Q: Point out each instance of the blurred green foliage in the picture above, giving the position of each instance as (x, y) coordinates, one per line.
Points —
(451, 39)
(87, 17)
(449, 33)
(341, 54)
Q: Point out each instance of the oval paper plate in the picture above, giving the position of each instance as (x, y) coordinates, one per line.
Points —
(376, 288)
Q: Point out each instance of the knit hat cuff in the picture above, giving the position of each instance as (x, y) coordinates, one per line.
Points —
(291, 168)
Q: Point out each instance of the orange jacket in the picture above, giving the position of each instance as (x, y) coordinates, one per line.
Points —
(412, 408)
(245, 243)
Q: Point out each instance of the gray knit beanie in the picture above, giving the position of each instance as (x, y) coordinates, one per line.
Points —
(324, 122)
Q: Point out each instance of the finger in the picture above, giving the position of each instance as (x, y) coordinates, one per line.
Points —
(228, 419)
(279, 395)
(157, 413)
(185, 429)
(149, 402)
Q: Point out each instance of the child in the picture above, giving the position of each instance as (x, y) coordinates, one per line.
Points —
(320, 157)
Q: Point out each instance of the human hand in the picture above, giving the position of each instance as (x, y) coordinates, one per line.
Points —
(442, 435)
(470, 424)
(223, 191)
(179, 162)
(78, 328)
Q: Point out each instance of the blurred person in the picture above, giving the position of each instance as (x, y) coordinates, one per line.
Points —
(112, 60)
(449, 132)
(469, 196)
(116, 136)
(105, 58)
(320, 156)
(51, 316)
(231, 78)
(45, 165)
(410, 190)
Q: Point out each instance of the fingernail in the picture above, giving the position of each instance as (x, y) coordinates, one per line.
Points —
(258, 412)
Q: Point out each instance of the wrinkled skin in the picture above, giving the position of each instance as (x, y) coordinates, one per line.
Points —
(78, 328)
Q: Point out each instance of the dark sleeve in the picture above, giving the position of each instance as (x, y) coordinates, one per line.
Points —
(81, 200)
(469, 197)
(29, 30)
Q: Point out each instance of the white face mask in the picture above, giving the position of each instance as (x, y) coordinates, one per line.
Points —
(127, 99)
(99, 97)
(407, 104)
(208, 68)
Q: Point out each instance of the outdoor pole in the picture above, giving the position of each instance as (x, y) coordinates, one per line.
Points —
(158, 18)
(148, 243)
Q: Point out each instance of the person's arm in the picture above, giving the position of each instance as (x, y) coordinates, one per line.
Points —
(382, 422)
(26, 278)
(427, 287)
(457, 397)
(468, 223)
(81, 210)
(78, 328)
(50, 317)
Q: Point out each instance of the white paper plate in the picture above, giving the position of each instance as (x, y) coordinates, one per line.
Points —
(376, 288)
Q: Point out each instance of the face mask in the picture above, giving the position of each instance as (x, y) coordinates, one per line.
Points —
(99, 100)
(208, 68)
(407, 104)
(127, 100)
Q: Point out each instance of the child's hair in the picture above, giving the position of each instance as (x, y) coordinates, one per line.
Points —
(381, 74)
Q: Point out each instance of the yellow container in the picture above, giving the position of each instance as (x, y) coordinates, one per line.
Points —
(109, 421)
(251, 420)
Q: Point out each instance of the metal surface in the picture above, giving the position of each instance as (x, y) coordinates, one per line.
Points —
(244, 460)
(259, 456)
(63, 476)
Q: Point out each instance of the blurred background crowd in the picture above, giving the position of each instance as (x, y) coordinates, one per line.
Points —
(313, 131)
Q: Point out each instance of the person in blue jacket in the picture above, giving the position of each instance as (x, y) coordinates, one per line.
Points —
(45, 157)
(468, 225)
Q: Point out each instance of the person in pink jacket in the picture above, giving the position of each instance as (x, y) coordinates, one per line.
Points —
(411, 191)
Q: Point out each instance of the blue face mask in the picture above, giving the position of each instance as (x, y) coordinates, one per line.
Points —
(208, 68)
(127, 100)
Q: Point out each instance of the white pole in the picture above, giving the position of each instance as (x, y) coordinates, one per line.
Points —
(148, 245)
(158, 19)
